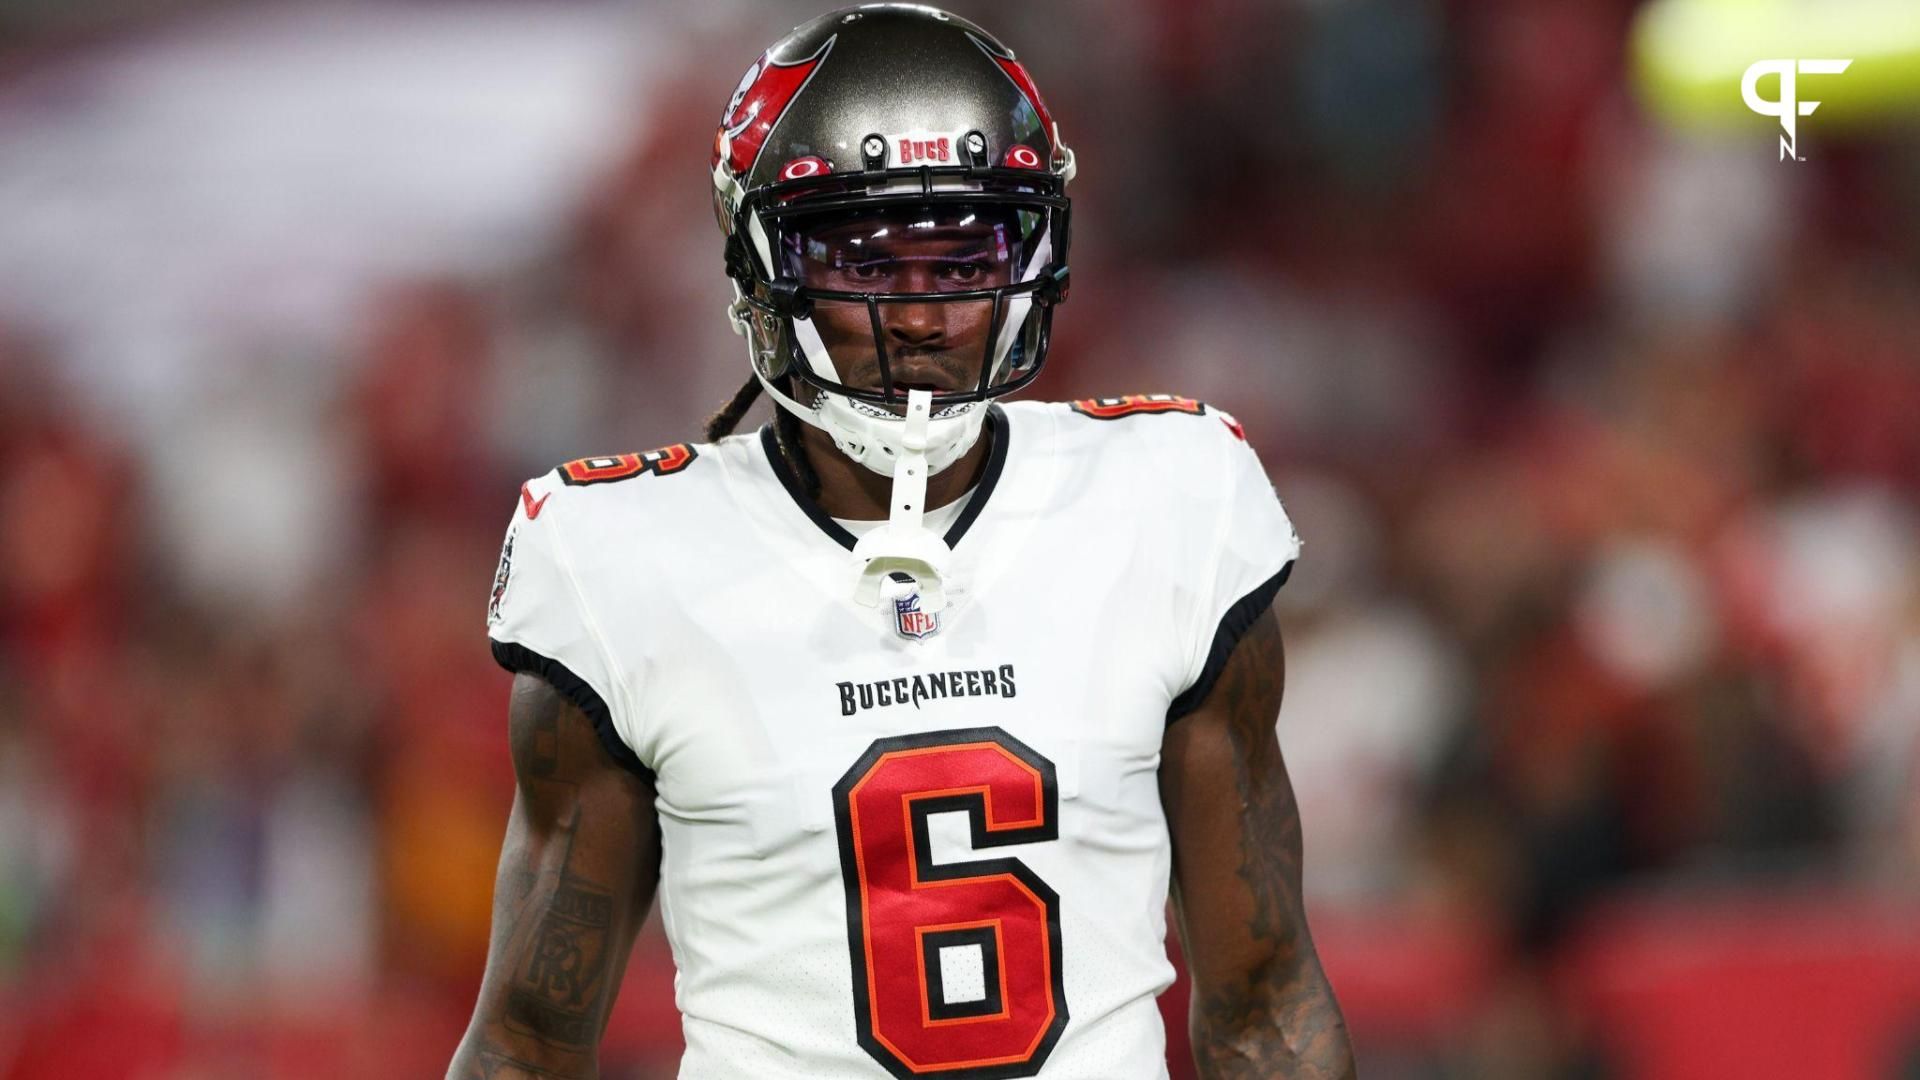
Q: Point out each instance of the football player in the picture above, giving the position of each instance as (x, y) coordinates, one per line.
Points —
(912, 705)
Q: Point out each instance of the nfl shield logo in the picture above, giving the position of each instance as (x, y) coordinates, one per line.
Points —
(910, 621)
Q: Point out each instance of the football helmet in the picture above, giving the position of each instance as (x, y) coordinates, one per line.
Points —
(892, 188)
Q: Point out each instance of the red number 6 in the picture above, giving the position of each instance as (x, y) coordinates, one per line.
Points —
(902, 910)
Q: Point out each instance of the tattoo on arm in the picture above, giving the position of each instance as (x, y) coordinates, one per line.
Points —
(557, 991)
(1262, 1005)
(491, 1065)
(536, 735)
(577, 873)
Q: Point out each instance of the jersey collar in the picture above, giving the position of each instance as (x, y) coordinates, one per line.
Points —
(996, 427)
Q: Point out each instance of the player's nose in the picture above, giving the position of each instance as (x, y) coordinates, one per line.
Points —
(916, 326)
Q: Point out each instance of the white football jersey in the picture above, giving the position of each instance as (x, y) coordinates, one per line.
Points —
(894, 842)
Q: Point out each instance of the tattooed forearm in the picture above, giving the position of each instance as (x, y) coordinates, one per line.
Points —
(558, 992)
(1270, 848)
(556, 928)
(1262, 1005)
(577, 872)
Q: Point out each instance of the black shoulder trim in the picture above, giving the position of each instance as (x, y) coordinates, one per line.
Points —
(770, 443)
(989, 477)
(519, 658)
(1235, 623)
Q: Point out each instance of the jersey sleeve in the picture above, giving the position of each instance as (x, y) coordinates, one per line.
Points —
(1248, 556)
(538, 622)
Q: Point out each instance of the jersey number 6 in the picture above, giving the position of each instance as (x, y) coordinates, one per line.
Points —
(914, 926)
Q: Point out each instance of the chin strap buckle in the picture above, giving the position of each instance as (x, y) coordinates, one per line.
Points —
(903, 545)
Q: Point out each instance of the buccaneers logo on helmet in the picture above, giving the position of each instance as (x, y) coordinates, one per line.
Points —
(757, 104)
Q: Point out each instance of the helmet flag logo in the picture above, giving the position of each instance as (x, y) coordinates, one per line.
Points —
(757, 104)
(1017, 72)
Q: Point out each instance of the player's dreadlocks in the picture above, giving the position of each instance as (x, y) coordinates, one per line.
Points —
(727, 416)
(786, 430)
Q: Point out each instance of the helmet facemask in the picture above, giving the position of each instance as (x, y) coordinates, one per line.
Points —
(868, 286)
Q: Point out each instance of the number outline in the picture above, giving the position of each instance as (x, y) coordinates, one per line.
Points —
(612, 468)
(1114, 408)
(918, 807)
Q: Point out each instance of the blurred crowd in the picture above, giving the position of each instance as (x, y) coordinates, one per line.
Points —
(1603, 692)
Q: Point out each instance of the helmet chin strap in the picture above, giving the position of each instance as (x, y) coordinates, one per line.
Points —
(873, 442)
(903, 545)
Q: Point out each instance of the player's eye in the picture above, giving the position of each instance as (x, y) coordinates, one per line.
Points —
(963, 271)
(868, 270)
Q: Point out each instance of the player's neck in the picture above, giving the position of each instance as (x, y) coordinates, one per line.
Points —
(853, 492)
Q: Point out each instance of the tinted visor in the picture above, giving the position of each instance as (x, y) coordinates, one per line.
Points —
(941, 248)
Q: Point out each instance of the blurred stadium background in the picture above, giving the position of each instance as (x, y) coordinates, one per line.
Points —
(1603, 433)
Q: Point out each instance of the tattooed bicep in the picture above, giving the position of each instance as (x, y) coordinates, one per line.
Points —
(533, 727)
(1248, 694)
(556, 750)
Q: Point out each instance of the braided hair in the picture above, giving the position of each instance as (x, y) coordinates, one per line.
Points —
(727, 416)
(786, 430)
